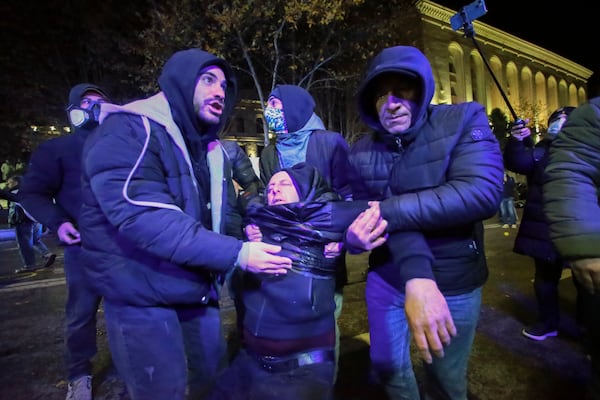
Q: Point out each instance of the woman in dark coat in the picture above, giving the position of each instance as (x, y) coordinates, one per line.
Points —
(524, 157)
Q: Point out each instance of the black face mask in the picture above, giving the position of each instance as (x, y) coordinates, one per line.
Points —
(84, 118)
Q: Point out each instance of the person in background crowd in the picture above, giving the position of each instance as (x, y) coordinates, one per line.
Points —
(289, 324)
(301, 137)
(51, 192)
(523, 156)
(152, 222)
(507, 210)
(570, 195)
(437, 172)
(7, 169)
(27, 231)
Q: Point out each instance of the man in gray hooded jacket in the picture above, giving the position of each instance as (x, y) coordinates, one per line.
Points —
(437, 172)
(152, 217)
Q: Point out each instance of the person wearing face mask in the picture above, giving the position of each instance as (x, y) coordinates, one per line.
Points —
(51, 193)
(301, 137)
(436, 171)
(523, 156)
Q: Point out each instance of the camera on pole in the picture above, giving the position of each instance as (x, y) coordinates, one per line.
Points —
(464, 20)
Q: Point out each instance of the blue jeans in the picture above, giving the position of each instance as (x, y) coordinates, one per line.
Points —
(29, 240)
(508, 213)
(390, 343)
(80, 316)
(160, 350)
(246, 379)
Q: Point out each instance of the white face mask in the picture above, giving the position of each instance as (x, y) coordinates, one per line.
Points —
(556, 125)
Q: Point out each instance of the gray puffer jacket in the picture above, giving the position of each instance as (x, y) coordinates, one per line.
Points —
(572, 184)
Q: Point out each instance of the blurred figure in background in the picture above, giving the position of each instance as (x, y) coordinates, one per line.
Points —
(507, 210)
(27, 231)
(523, 156)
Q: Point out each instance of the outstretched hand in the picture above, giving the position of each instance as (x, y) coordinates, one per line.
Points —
(263, 258)
(428, 318)
(587, 273)
(333, 249)
(68, 234)
(253, 233)
(520, 131)
(367, 231)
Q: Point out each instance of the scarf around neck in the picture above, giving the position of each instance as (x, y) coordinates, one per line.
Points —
(292, 146)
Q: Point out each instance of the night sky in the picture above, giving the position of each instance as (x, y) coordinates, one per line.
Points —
(564, 28)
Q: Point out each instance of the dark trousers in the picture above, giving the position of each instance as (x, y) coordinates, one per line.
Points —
(80, 316)
(591, 319)
(246, 379)
(545, 284)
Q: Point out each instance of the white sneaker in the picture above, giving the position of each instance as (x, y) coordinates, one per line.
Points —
(505, 226)
(80, 388)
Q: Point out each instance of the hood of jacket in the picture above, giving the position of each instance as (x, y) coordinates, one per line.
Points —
(308, 182)
(406, 60)
(298, 105)
(76, 94)
(178, 82)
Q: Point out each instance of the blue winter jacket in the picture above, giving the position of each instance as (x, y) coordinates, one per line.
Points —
(437, 181)
(51, 187)
(525, 158)
(142, 212)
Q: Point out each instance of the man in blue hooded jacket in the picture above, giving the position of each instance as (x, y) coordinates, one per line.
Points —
(51, 193)
(152, 216)
(437, 172)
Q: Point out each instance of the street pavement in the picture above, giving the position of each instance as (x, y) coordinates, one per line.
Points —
(504, 365)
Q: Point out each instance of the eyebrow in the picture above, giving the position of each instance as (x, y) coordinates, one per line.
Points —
(209, 73)
(223, 84)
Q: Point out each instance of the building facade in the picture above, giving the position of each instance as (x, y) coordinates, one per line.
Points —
(533, 79)
(492, 67)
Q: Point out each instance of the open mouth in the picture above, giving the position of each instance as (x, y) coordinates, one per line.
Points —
(216, 106)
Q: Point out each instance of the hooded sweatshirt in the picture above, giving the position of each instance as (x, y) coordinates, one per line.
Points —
(148, 221)
(437, 180)
(51, 187)
(300, 120)
(299, 304)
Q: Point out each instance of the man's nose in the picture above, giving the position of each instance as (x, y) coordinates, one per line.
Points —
(219, 91)
(393, 101)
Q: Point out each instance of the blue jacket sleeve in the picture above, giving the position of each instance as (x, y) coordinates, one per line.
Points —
(168, 230)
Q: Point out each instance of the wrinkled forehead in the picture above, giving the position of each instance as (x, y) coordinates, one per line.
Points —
(92, 96)
(280, 177)
(213, 70)
(394, 81)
